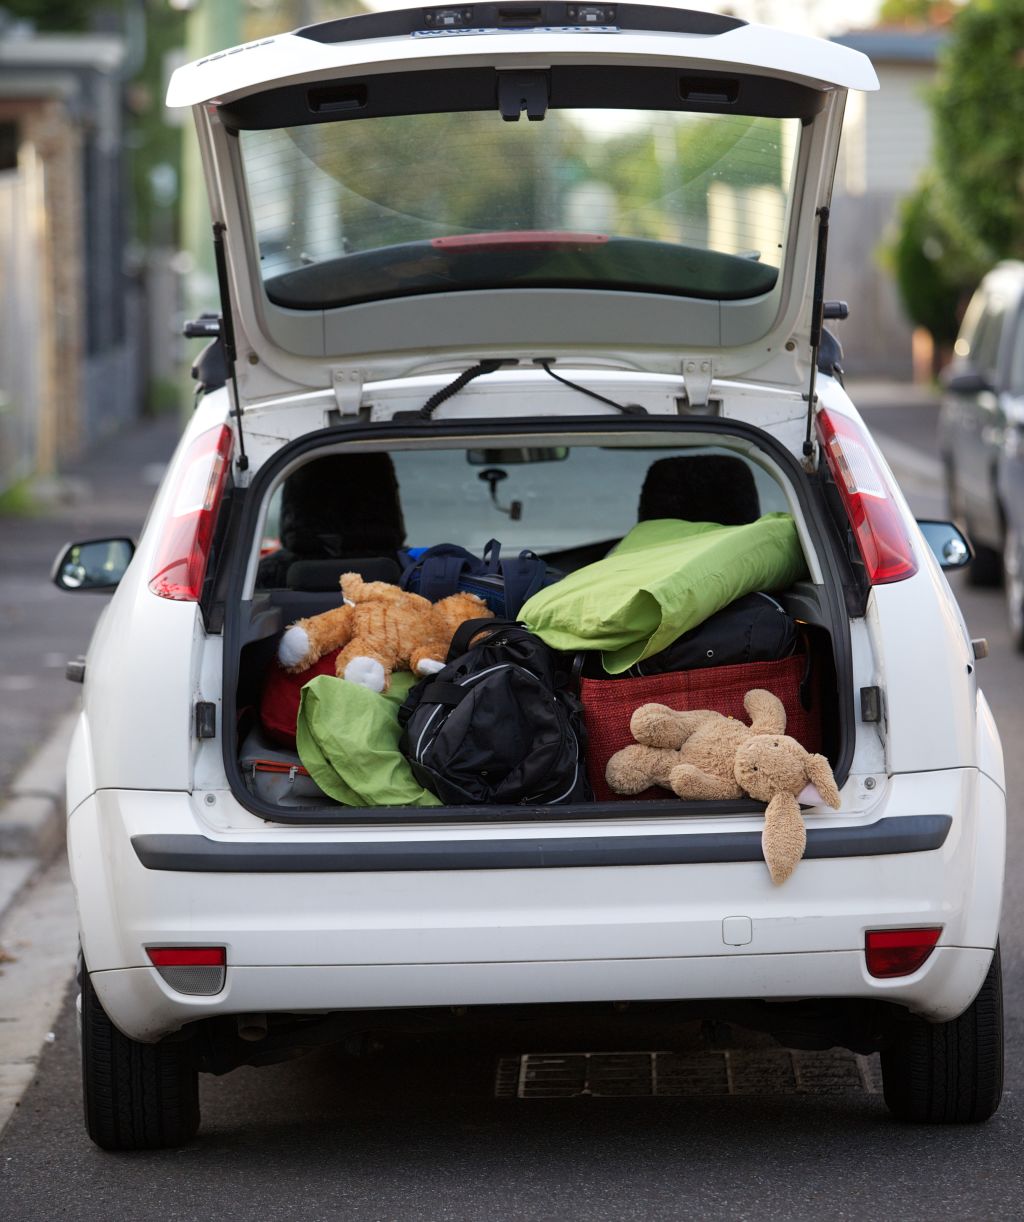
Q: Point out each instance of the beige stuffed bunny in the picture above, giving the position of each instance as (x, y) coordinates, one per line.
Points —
(381, 628)
(705, 755)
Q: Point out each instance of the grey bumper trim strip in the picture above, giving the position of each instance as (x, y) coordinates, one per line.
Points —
(199, 854)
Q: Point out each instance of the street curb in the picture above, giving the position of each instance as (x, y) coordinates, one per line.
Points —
(36, 911)
(32, 816)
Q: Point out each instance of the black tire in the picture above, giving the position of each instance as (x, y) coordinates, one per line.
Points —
(949, 1073)
(137, 1096)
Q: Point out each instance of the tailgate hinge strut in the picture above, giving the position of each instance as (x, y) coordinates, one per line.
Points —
(227, 335)
(817, 312)
(347, 385)
(698, 374)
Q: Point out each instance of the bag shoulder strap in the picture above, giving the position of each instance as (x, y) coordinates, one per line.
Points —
(523, 577)
(440, 569)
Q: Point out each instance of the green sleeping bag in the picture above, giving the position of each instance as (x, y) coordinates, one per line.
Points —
(664, 578)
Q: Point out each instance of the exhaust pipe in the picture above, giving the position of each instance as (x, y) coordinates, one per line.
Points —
(252, 1027)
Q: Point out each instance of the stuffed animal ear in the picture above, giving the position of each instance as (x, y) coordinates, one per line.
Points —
(819, 773)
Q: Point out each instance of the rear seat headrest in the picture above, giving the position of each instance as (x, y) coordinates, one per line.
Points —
(343, 504)
(700, 488)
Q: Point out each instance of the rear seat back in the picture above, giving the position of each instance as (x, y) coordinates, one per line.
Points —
(340, 513)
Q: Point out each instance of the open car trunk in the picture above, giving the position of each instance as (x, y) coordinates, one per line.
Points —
(568, 489)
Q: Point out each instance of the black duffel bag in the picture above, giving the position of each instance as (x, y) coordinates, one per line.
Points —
(498, 724)
(754, 628)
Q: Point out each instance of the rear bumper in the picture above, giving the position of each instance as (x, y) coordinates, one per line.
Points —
(204, 855)
(379, 917)
(145, 1008)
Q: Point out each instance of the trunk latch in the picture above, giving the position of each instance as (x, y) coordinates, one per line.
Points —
(519, 91)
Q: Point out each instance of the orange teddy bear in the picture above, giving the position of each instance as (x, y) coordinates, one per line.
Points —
(382, 628)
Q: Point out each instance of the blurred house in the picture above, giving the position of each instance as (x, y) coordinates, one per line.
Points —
(69, 329)
(887, 141)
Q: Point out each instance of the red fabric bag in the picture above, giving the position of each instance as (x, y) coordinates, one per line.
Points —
(608, 704)
(279, 700)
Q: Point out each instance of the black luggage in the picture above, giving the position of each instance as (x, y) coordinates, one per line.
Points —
(498, 724)
(754, 628)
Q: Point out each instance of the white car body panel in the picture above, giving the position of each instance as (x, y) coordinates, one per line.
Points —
(666, 917)
(292, 59)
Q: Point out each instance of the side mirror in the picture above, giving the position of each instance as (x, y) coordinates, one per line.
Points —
(96, 565)
(966, 382)
(951, 547)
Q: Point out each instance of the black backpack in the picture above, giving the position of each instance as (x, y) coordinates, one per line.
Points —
(498, 724)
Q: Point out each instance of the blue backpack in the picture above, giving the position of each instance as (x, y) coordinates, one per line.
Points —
(503, 583)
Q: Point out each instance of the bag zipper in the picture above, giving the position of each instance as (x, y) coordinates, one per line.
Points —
(277, 766)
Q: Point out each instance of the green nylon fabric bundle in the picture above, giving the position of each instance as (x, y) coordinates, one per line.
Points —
(347, 738)
(664, 578)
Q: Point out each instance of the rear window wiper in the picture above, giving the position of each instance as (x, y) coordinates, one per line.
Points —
(491, 364)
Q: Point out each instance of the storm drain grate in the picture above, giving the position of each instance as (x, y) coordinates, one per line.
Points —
(609, 1075)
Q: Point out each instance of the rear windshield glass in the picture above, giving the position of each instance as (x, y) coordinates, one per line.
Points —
(655, 201)
(542, 499)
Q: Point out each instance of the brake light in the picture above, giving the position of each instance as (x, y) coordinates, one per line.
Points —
(867, 497)
(898, 952)
(184, 550)
(518, 239)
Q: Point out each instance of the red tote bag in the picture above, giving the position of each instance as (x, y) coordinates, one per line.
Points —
(608, 704)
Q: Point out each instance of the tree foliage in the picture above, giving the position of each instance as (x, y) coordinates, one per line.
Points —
(968, 212)
(53, 15)
(979, 123)
(936, 264)
(916, 12)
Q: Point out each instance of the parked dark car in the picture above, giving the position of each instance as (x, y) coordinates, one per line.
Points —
(979, 425)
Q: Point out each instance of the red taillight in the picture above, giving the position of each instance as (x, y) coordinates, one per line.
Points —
(184, 549)
(867, 497)
(898, 952)
(187, 956)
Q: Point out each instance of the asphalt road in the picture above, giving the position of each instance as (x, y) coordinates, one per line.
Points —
(416, 1132)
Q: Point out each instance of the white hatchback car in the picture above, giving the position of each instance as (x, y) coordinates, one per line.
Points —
(419, 280)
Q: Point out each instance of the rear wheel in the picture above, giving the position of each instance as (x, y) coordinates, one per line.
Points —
(949, 1073)
(137, 1096)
